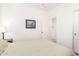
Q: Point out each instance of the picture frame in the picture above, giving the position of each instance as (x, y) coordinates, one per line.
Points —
(31, 24)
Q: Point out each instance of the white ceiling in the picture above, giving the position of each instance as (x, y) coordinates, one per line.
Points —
(44, 6)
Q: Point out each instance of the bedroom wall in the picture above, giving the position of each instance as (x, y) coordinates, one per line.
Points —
(64, 15)
(0, 23)
(13, 18)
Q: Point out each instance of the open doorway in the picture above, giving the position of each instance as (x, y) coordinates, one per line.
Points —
(53, 29)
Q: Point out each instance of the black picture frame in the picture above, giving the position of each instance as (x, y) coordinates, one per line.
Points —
(30, 24)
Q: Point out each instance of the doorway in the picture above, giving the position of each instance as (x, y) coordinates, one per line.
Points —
(54, 20)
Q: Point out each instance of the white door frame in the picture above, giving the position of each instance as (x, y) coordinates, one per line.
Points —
(73, 47)
(54, 23)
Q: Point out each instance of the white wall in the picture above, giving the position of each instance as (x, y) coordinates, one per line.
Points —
(14, 15)
(65, 16)
(13, 18)
(0, 24)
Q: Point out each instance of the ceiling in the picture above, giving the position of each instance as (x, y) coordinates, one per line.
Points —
(44, 6)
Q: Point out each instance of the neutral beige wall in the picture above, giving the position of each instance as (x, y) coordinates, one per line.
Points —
(13, 17)
(65, 17)
(0, 23)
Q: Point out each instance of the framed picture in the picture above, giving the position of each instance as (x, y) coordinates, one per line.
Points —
(30, 23)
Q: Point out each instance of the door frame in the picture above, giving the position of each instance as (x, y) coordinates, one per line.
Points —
(73, 49)
(54, 26)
